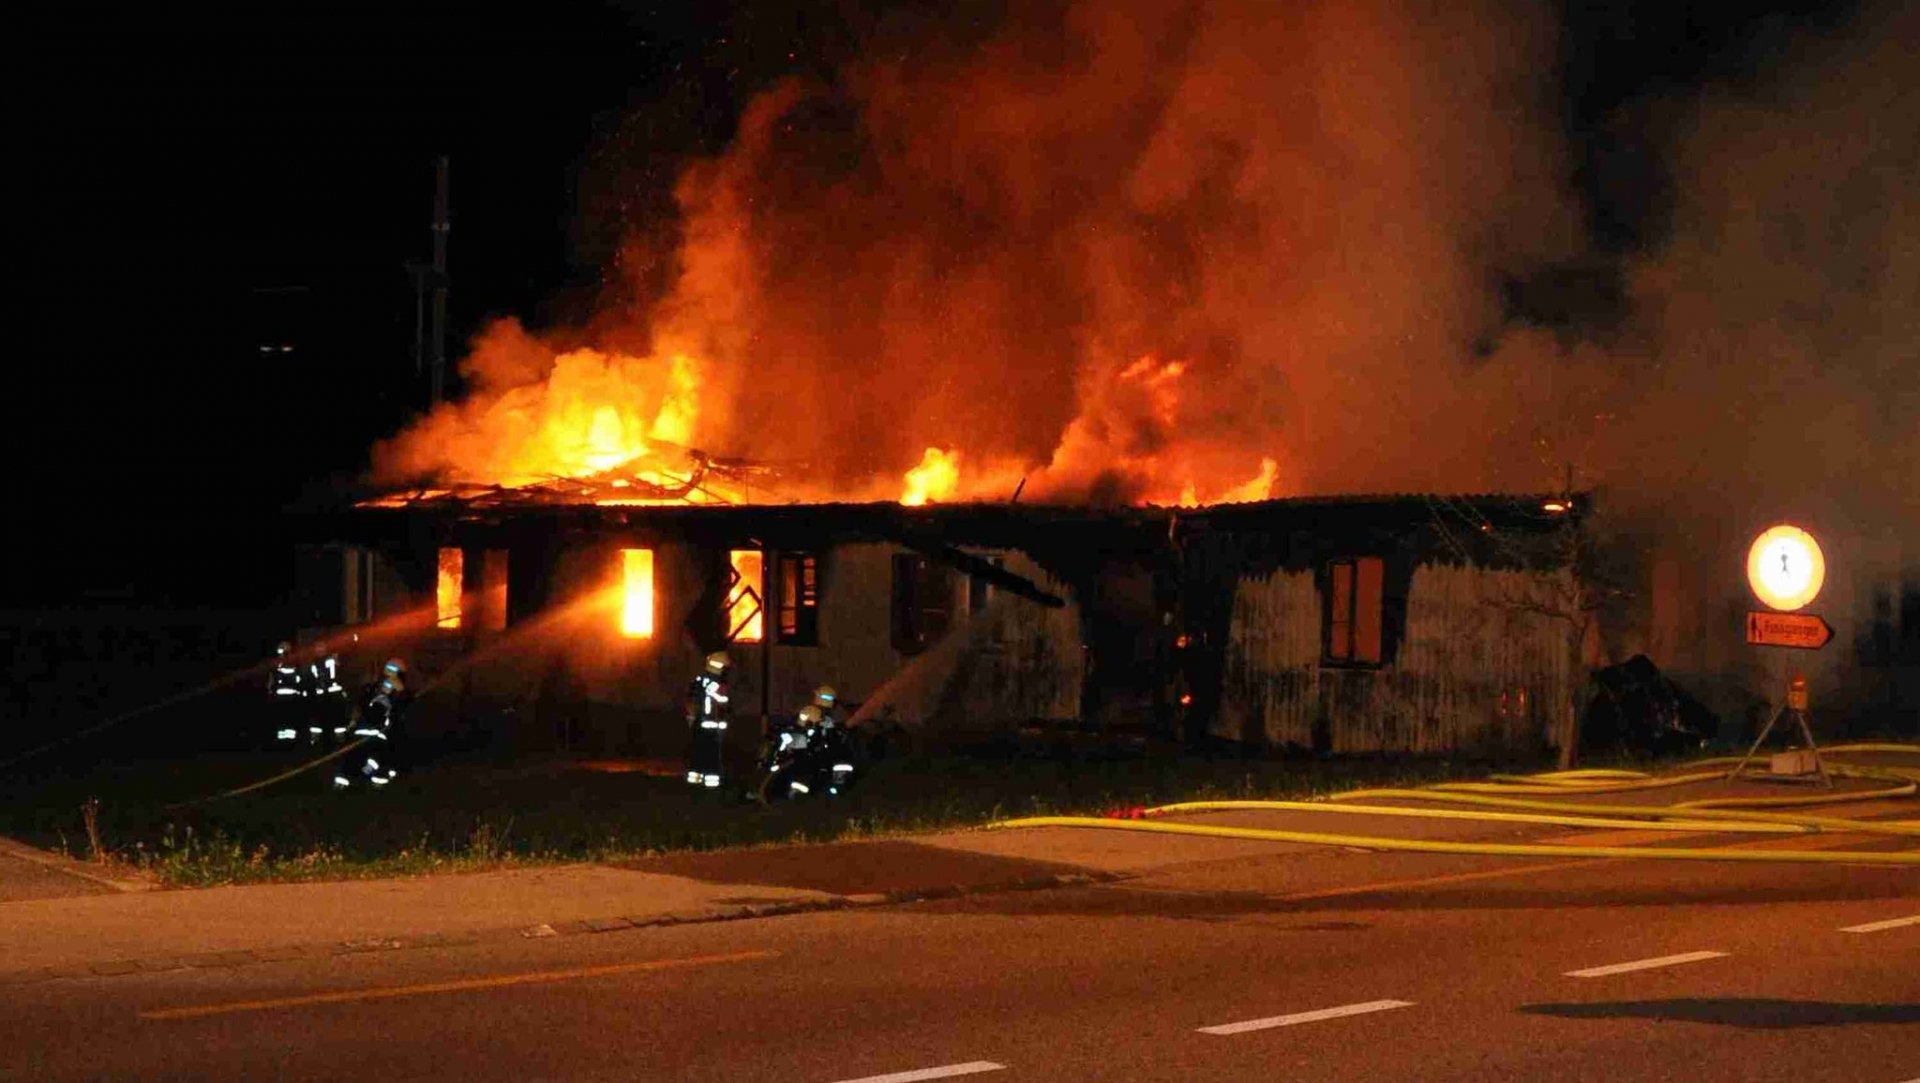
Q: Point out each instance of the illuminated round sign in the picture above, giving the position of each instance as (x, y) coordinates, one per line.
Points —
(1785, 567)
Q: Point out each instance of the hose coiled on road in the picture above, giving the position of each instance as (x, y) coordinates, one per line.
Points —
(1520, 796)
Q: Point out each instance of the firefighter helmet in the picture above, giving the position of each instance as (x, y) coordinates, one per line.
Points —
(824, 697)
(394, 667)
(809, 715)
(283, 648)
(717, 662)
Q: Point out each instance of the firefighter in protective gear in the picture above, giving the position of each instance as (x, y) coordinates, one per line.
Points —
(329, 713)
(828, 738)
(806, 725)
(828, 703)
(707, 712)
(287, 692)
(379, 722)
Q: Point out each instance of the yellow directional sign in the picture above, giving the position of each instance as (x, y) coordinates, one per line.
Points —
(1803, 630)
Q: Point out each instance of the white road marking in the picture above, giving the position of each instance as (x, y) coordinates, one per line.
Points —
(1876, 926)
(1645, 964)
(1307, 1017)
(943, 1072)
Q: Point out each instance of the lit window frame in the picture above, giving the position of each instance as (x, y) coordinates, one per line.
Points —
(1355, 591)
(639, 594)
(797, 590)
(449, 588)
(745, 604)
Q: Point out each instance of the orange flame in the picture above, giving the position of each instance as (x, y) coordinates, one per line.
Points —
(636, 593)
(936, 478)
(746, 611)
(1260, 488)
(448, 587)
(537, 414)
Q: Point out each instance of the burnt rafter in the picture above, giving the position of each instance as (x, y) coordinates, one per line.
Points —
(1208, 545)
(974, 567)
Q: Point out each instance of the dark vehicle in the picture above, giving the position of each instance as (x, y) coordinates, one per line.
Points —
(1635, 708)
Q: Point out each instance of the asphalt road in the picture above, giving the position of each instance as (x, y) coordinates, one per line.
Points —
(1458, 969)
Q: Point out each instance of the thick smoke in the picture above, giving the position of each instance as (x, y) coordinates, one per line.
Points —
(1121, 250)
(1776, 363)
(1124, 249)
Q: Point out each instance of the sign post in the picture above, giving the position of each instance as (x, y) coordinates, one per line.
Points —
(1786, 569)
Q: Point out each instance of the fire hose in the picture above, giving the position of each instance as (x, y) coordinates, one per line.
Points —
(282, 776)
(1707, 816)
(307, 766)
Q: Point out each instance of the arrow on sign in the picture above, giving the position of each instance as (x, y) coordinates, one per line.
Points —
(1802, 630)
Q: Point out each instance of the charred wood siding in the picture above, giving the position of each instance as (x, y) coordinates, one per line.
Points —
(1010, 661)
(562, 674)
(1019, 661)
(1479, 668)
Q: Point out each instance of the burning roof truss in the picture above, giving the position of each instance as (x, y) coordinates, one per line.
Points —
(665, 475)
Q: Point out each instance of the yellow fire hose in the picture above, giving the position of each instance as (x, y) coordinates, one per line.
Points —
(264, 783)
(1647, 812)
(1500, 849)
(1696, 826)
(1715, 816)
(1573, 787)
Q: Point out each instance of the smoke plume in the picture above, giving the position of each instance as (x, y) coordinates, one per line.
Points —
(1212, 249)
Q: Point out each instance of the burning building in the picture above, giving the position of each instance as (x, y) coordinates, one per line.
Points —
(1409, 623)
(1027, 359)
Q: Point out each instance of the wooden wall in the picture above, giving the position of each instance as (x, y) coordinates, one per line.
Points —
(1476, 669)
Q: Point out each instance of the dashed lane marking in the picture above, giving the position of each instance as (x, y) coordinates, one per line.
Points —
(945, 1071)
(392, 991)
(1878, 926)
(1307, 1017)
(1645, 964)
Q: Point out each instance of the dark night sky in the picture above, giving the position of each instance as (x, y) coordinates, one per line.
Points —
(179, 163)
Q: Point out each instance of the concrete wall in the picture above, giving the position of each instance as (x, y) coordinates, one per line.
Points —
(1476, 671)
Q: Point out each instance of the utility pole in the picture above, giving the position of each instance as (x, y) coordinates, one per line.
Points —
(440, 227)
(430, 354)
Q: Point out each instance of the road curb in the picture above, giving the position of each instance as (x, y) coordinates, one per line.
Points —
(221, 960)
(128, 880)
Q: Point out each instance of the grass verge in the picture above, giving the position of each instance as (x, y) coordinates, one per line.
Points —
(469, 816)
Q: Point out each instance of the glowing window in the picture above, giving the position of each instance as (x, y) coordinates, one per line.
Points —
(446, 595)
(746, 616)
(636, 593)
(799, 600)
(1355, 610)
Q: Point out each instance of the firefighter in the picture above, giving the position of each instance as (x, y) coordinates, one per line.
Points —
(831, 741)
(828, 702)
(380, 722)
(805, 727)
(287, 691)
(707, 717)
(330, 713)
